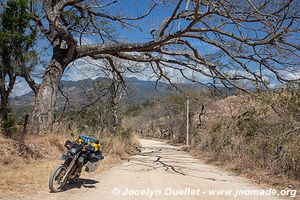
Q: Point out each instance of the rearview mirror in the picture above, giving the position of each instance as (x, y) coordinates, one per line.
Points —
(68, 144)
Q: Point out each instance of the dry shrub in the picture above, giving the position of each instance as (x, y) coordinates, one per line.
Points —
(48, 145)
(122, 145)
(255, 136)
(251, 136)
(25, 165)
(24, 177)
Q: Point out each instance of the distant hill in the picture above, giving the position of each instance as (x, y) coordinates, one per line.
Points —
(79, 92)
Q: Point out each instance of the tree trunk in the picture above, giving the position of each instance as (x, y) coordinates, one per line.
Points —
(42, 118)
(114, 106)
(6, 123)
(116, 98)
(4, 109)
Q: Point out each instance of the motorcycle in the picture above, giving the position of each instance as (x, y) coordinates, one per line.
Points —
(75, 158)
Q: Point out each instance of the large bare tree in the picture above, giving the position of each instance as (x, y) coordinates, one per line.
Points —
(253, 40)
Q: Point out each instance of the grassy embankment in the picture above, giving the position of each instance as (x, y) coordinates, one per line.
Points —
(25, 165)
(257, 137)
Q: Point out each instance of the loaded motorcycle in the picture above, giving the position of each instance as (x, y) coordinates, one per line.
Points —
(77, 156)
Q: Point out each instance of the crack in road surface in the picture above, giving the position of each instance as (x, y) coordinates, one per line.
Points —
(167, 166)
(158, 166)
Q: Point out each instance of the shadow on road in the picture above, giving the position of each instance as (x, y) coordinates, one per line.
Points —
(81, 182)
(175, 161)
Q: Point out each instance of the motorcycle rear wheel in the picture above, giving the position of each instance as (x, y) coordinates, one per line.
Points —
(56, 183)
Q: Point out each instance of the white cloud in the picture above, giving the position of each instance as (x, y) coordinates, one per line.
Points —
(83, 69)
(290, 75)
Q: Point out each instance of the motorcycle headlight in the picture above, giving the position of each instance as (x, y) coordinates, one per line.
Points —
(73, 151)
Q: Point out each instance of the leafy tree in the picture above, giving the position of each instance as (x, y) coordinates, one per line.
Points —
(16, 51)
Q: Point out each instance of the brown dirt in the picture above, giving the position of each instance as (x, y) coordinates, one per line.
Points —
(158, 166)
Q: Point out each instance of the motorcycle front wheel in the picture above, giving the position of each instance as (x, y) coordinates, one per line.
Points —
(56, 183)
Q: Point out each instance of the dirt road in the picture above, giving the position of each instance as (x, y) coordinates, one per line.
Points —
(160, 171)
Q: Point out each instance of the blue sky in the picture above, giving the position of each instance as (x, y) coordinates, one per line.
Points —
(132, 8)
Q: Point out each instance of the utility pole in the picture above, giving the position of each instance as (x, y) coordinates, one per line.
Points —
(187, 120)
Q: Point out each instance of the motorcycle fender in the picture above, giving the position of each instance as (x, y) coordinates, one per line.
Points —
(81, 160)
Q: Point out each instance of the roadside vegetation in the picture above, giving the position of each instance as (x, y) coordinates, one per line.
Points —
(27, 160)
(26, 164)
(254, 135)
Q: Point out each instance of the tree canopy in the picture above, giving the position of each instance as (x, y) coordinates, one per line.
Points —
(16, 51)
(230, 42)
(252, 40)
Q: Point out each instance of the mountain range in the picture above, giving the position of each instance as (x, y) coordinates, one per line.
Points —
(78, 93)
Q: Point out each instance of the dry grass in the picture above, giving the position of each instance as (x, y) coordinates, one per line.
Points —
(21, 178)
(25, 166)
(249, 137)
(255, 137)
(121, 146)
(24, 178)
(248, 169)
